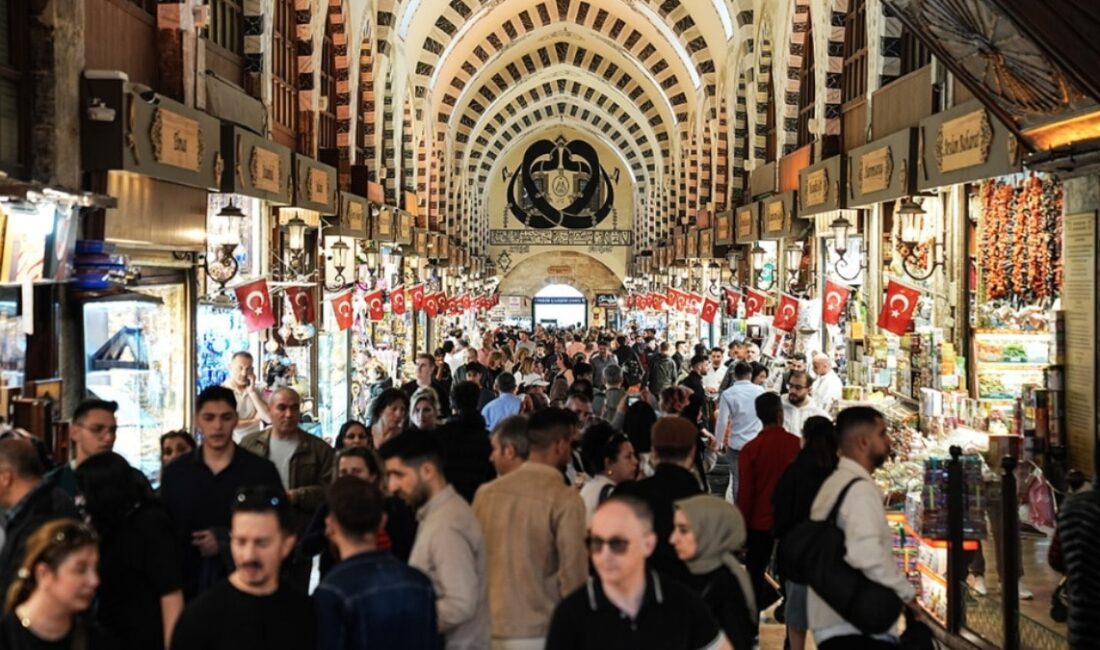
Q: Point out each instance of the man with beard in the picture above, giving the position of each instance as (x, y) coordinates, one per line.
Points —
(797, 405)
(251, 610)
(864, 447)
(449, 546)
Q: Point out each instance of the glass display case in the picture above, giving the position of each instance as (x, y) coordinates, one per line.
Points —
(135, 354)
(333, 391)
(221, 334)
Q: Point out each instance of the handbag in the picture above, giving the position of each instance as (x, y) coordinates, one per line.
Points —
(813, 552)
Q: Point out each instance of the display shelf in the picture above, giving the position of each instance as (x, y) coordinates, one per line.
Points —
(929, 573)
(899, 518)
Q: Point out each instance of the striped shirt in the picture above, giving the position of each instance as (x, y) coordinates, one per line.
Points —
(1079, 530)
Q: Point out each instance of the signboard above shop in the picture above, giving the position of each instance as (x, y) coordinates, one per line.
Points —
(779, 217)
(315, 185)
(965, 144)
(256, 166)
(820, 186)
(149, 134)
(747, 223)
(352, 219)
(723, 228)
(882, 170)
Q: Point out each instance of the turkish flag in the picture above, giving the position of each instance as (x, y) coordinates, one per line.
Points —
(657, 301)
(710, 309)
(786, 314)
(897, 309)
(754, 302)
(465, 302)
(417, 293)
(733, 299)
(374, 305)
(397, 300)
(342, 309)
(431, 304)
(836, 298)
(677, 299)
(670, 298)
(301, 303)
(255, 303)
(695, 304)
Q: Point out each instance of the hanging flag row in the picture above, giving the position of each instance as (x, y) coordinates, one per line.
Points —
(254, 301)
(896, 315)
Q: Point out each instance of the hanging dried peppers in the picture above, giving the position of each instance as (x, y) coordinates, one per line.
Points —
(1020, 251)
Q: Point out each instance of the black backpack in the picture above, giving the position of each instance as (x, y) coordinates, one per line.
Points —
(812, 553)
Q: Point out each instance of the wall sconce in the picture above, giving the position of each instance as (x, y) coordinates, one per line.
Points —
(296, 242)
(225, 266)
(759, 253)
(911, 216)
(338, 253)
(841, 227)
(794, 252)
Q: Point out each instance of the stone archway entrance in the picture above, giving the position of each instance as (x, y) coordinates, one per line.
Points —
(578, 270)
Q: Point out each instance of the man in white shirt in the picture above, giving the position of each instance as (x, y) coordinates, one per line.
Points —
(251, 407)
(737, 422)
(828, 388)
(864, 447)
(797, 405)
(716, 372)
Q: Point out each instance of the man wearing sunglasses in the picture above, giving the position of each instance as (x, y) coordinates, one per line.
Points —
(629, 606)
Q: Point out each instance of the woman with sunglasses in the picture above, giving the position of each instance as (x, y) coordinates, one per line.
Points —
(55, 583)
(706, 533)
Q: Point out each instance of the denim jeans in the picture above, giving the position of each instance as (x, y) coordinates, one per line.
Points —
(731, 490)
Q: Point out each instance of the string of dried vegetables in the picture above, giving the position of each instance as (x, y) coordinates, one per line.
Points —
(1020, 251)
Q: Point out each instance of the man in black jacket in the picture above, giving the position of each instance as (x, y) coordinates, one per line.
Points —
(464, 443)
(29, 501)
(674, 440)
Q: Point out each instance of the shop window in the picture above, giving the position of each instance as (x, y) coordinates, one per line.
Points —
(327, 130)
(13, 88)
(284, 67)
(225, 25)
(914, 54)
(770, 128)
(855, 52)
(807, 90)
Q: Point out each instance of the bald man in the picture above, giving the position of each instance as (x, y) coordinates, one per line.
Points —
(629, 607)
(304, 462)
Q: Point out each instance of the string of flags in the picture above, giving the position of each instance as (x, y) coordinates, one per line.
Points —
(254, 301)
(896, 316)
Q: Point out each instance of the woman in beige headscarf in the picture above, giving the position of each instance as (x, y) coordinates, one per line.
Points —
(706, 532)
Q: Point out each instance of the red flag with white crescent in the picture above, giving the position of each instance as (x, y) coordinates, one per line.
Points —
(301, 303)
(465, 303)
(375, 309)
(454, 305)
(431, 304)
(786, 314)
(658, 301)
(710, 309)
(342, 310)
(754, 302)
(836, 298)
(695, 304)
(397, 300)
(733, 299)
(417, 295)
(897, 309)
(254, 299)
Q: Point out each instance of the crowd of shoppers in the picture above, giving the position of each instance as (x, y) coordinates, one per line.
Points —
(541, 490)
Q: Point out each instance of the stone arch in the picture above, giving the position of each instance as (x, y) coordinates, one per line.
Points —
(800, 27)
(588, 274)
(367, 127)
(834, 68)
(758, 85)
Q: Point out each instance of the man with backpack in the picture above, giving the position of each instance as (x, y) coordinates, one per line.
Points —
(864, 447)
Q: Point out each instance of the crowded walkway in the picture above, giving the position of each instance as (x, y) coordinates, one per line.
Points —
(546, 507)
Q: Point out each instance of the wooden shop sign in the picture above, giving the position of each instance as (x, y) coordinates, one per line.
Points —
(316, 185)
(256, 166)
(706, 243)
(875, 170)
(882, 170)
(404, 227)
(177, 140)
(964, 142)
(691, 239)
(723, 228)
(779, 212)
(352, 221)
(819, 187)
(747, 224)
(382, 225)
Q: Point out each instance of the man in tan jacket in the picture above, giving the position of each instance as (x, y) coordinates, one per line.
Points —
(534, 527)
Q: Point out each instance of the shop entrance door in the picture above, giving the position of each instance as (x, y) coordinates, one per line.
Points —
(559, 305)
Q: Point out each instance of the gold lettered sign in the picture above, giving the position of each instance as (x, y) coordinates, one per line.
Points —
(177, 140)
(404, 227)
(724, 228)
(746, 223)
(385, 222)
(775, 219)
(875, 170)
(265, 168)
(354, 217)
(422, 242)
(816, 190)
(692, 245)
(680, 246)
(706, 242)
(964, 142)
(317, 189)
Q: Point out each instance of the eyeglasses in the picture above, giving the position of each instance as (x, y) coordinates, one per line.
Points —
(618, 545)
(256, 496)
